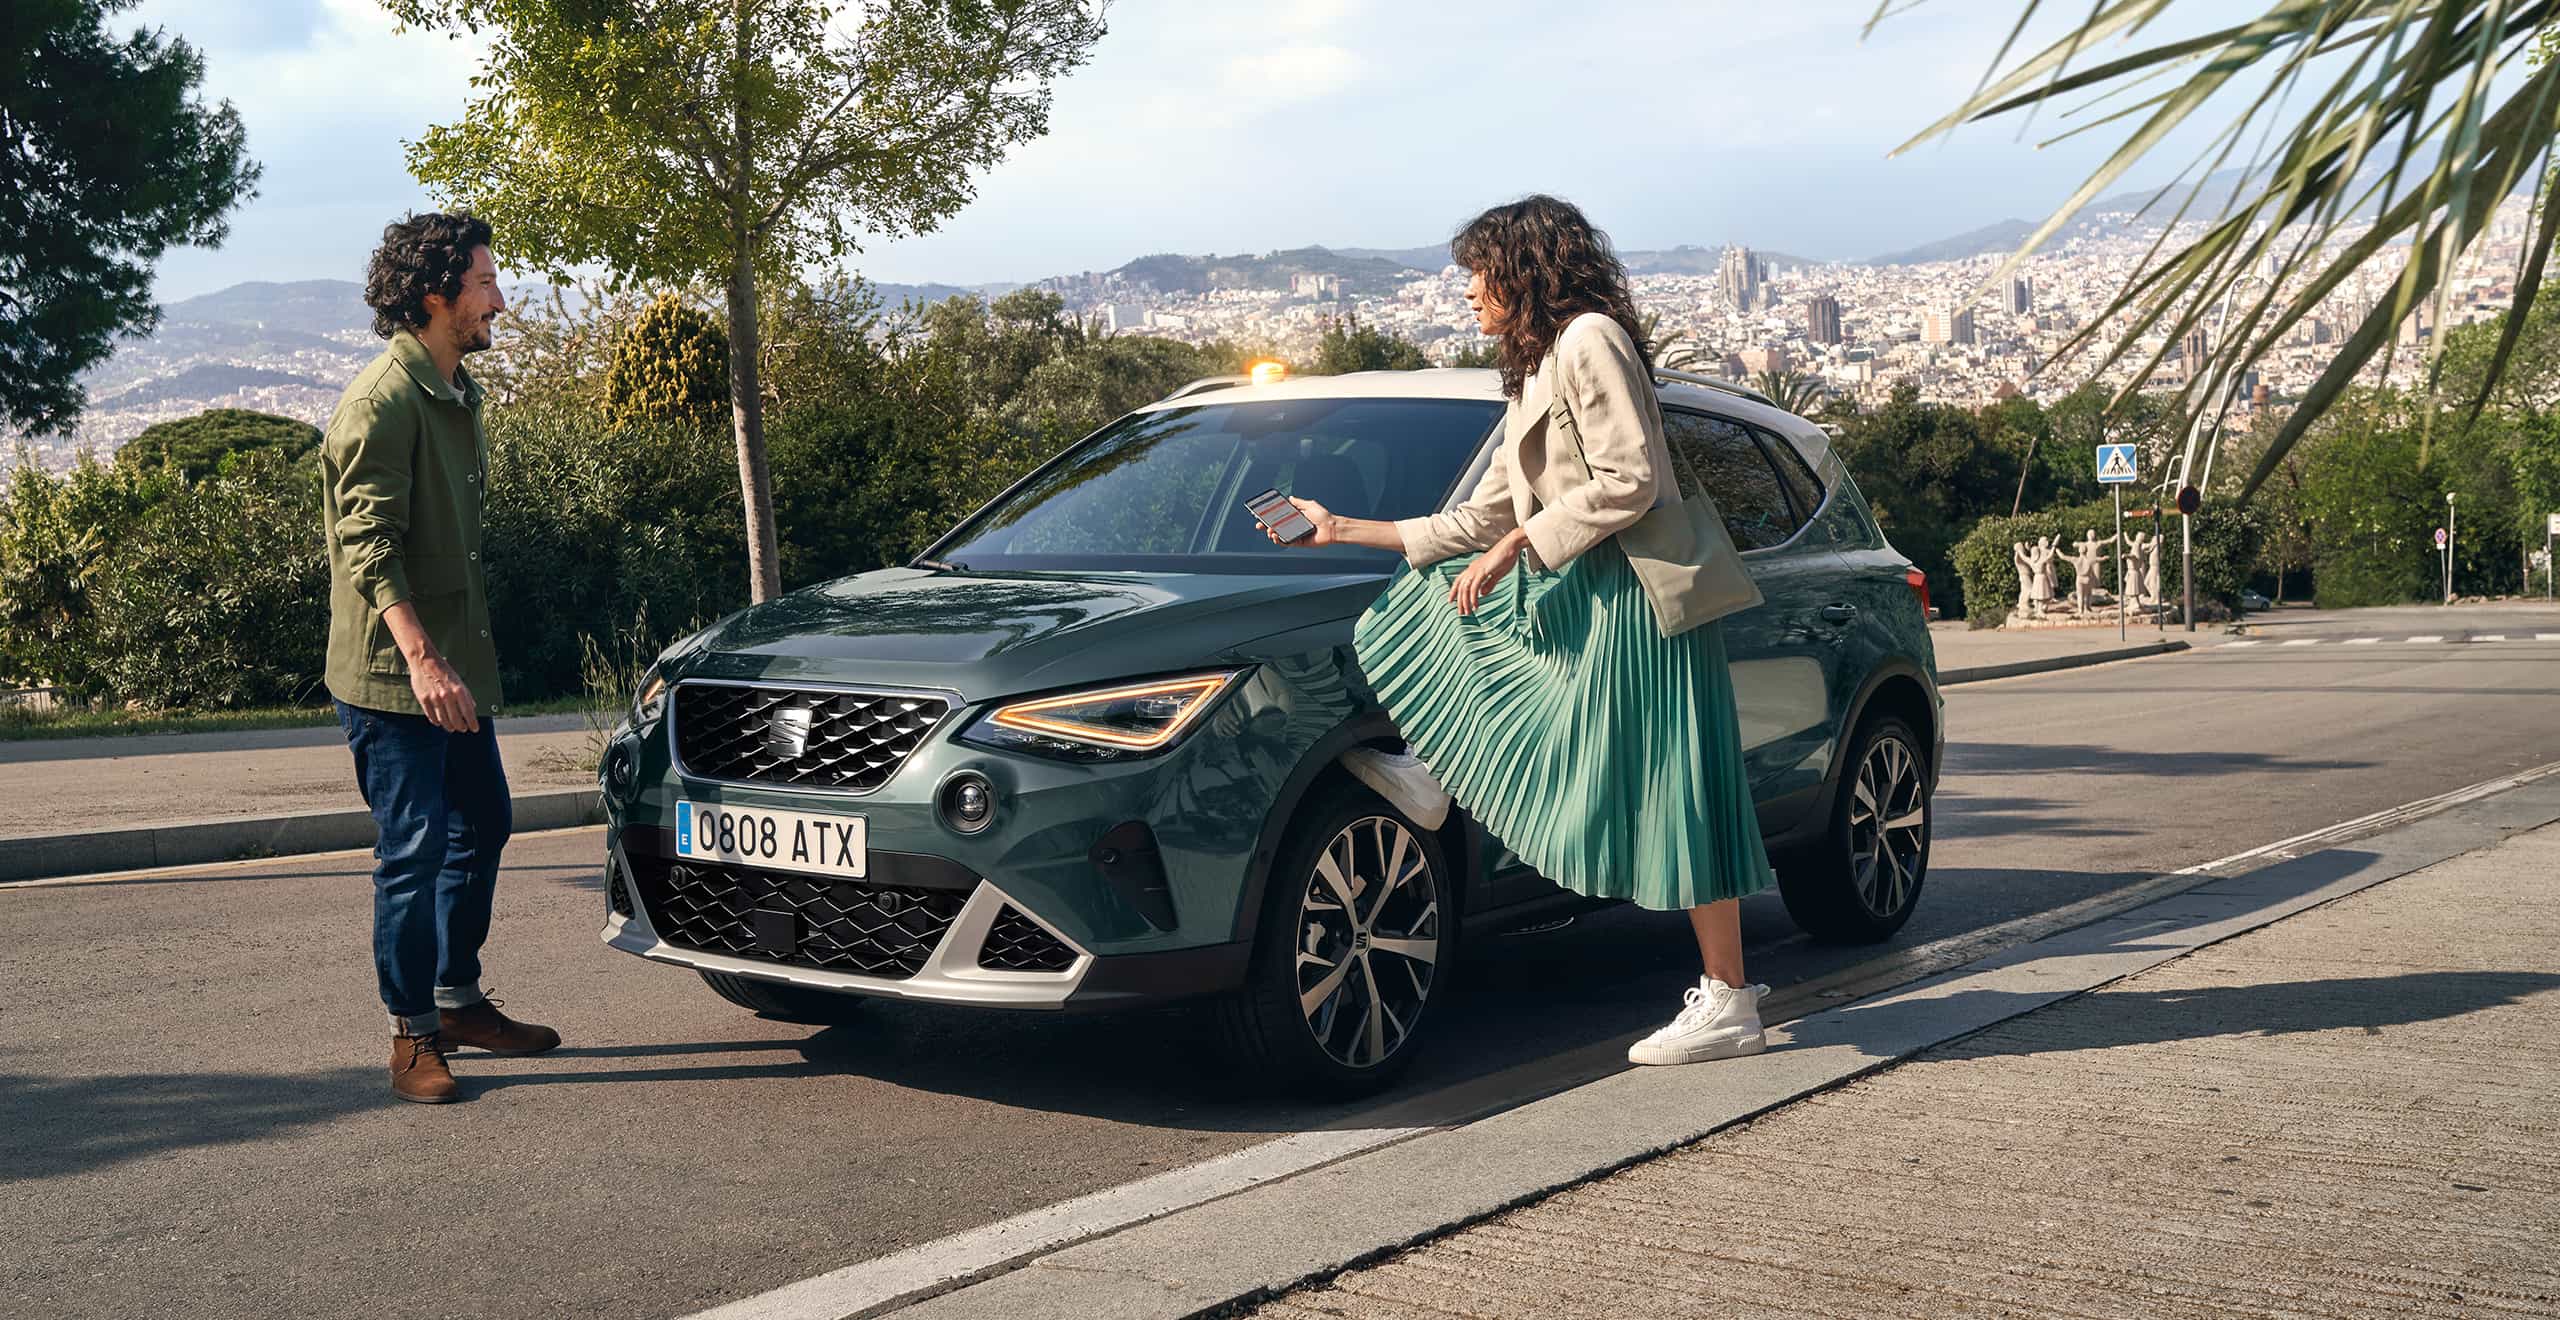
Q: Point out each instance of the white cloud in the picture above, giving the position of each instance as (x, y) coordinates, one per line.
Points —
(1283, 76)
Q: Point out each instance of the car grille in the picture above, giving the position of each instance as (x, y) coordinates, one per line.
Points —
(854, 740)
(1017, 944)
(836, 925)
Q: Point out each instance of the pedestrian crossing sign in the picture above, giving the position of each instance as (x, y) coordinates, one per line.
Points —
(2115, 464)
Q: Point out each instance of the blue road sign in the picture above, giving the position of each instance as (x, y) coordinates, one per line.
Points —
(2115, 465)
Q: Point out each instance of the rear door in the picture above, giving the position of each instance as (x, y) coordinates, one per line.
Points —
(1788, 655)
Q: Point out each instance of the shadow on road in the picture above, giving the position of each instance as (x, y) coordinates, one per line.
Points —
(2283, 1008)
(1984, 758)
(53, 1126)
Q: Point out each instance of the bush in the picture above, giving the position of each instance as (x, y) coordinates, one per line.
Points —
(55, 536)
(671, 365)
(2226, 545)
(199, 446)
(592, 526)
(219, 596)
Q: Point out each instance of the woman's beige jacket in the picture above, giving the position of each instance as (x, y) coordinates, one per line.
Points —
(1564, 510)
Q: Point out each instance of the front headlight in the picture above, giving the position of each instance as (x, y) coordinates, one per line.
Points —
(1102, 724)
(650, 699)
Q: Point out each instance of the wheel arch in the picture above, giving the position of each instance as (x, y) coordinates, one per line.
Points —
(1320, 770)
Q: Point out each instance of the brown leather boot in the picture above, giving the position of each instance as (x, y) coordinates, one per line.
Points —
(482, 1026)
(418, 1072)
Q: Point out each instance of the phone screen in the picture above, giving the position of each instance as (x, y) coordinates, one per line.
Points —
(1273, 510)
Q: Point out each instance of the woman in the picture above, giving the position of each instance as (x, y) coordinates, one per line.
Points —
(1532, 677)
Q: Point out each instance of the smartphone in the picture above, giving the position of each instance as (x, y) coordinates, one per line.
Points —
(1274, 511)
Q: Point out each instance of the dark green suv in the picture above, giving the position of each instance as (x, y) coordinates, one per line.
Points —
(1086, 752)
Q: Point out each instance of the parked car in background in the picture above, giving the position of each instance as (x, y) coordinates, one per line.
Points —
(1085, 752)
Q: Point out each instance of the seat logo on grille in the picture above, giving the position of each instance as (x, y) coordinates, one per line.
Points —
(787, 732)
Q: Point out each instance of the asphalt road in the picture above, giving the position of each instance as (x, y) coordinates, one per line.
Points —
(193, 1116)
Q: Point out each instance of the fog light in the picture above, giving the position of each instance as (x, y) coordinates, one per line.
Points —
(619, 767)
(968, 803)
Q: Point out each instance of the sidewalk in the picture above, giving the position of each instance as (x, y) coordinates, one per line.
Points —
(1961, 648)
(66, 786)
(2348, 1112)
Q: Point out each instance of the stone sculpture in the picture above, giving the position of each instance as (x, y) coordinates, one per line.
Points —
(2084, 567)
(2142, 569)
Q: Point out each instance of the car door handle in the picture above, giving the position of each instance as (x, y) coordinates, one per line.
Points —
(1839, 613)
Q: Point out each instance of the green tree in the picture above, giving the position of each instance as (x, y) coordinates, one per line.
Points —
(672, 364)
(1348, 346)
(1478, 353)
(1931, 471)
(1799, 392)
(214, 598)
(197, 447)
(2404, 111)
(723, 140)
(56, 534)
(107, 158)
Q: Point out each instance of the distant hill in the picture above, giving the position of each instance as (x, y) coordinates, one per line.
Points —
(892, 296)
(204, 380)
(312, 307)
(2002, 237)
(1174, 273)
(1691, 259)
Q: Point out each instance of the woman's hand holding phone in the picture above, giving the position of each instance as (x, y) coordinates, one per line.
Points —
(1316, 514)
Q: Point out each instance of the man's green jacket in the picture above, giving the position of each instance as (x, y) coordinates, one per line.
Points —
(403, 469)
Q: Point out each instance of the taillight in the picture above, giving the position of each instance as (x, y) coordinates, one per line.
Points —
(1919, 584)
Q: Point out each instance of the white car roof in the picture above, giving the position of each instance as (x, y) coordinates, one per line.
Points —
(1485, 384)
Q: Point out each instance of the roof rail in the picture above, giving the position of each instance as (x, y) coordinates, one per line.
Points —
(1208, 383)
(1714, 383)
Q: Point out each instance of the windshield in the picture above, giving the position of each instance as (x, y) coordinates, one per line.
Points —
(1165, 491)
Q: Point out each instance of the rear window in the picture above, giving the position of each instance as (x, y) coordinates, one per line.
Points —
(1724, 459)
(1165, 491)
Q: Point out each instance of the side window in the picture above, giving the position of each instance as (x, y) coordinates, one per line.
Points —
(1724, 459)
(1802, 486)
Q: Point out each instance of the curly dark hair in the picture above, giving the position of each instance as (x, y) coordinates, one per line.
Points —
(420, 255)
(1546, 264)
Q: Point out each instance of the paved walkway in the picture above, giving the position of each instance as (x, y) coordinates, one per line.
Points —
(74, 785)
(1962, 647)
(2347, 1113)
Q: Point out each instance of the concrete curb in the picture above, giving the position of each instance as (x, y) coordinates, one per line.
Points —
(1216, 1258)
(42, 857)
(1979, 673)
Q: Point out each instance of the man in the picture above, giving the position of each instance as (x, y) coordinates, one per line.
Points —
(410, 661)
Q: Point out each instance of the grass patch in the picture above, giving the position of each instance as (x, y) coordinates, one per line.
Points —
(18, 724)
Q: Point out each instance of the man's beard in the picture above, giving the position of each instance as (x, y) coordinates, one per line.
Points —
(480, 338)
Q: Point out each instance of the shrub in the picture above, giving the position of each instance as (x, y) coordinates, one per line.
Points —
(2226, 544)
(219, 596)
(199, 446)
(591, 525)
(671, 365)
(55, 536)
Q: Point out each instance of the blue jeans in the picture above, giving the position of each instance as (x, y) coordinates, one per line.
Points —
(440, 808)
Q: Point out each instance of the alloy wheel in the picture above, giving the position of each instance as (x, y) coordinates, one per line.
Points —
(1888, 826)
(1368, 941)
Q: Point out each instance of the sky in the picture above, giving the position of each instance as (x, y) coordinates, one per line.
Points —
(1246, 125)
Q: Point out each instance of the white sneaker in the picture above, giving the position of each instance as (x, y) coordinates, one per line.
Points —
(1403, 780)
(1716, 1021)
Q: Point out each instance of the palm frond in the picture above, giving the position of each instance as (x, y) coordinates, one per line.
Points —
(2407, 121)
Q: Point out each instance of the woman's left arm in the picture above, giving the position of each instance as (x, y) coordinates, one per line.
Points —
(1603, 380)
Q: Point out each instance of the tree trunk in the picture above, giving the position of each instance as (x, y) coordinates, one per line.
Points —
(746, 413)
(746, 392)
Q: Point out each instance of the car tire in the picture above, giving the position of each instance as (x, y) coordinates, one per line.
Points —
(1861, 880)
(790, 1003)
(1359, 1037)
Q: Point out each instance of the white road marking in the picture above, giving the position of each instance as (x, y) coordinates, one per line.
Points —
(2304, 641)
(2426, 639)
(2260, 642)
(2546, 637)
(2362, 641)
(2490, 637)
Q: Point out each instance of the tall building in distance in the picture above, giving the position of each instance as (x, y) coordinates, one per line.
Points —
(1947, 327)
(2191, 350)
(2022, 294)
(1744, 277)
(1822, 319)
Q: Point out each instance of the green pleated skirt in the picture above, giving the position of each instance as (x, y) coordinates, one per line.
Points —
(1607, 756)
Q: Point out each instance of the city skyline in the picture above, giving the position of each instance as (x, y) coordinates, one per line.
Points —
(1234, 127)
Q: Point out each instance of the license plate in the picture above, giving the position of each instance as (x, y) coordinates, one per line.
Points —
(779, 840)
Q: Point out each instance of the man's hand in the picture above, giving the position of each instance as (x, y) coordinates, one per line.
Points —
(440, 691)
(1468, 589)
(442, 695)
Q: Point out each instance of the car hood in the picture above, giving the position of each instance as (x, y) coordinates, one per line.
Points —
(988, 635)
